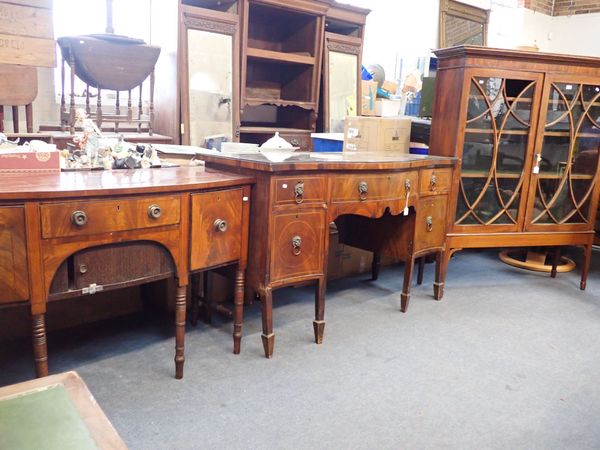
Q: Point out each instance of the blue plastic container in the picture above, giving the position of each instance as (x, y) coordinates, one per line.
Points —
(418, 149)
(328, 142)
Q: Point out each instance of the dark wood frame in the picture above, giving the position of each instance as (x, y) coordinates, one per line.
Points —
(464, 11)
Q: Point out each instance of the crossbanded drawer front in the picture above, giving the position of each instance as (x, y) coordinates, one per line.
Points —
(366, 187)
(108, 216)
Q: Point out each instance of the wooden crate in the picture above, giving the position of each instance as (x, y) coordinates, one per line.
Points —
(26, 33)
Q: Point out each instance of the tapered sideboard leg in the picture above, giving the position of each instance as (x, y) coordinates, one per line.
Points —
(238, 312)
(408, 272)
(40, 348)
(420, 270)
(180, 307)
(587, 258)
(441, 266)
(375, 266)
(319, 322)
(268, 338)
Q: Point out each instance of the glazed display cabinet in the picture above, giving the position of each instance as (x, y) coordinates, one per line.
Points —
(526, 127)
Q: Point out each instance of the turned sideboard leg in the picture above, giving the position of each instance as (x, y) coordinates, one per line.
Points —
(587, 258)
(319, 322)
(420, 270)
(40, 348)
(180, 307)
(238, 312)
(268, 338)
(408, 272)
(441, 265)
(555, 262)
(375, 266)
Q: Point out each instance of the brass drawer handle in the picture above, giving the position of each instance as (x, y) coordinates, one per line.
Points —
(407, 185)
(299, 192)
(429, 222)
(433, 184)
(154, 211)
(79, 218)
(295, 142)
(220, 225)
(363, 190)
(296, 245)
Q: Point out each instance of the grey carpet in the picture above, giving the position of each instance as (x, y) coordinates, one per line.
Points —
(509, 359)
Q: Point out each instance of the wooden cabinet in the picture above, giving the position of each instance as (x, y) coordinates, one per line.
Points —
(526, 128)
(14, 282)
(78, 234)
(217, 222)
(244, 69)
(373, 200)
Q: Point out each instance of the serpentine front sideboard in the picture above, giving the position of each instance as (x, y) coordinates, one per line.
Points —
(76, 233)
(392, 204)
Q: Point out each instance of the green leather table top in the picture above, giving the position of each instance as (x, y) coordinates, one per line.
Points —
(43, 419)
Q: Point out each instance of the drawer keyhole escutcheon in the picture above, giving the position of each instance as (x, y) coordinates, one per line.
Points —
(433, 184)
(79, 218)
(299, 192)
(363, 190)
(220, 225)
(296, 245)
(154, 211)
(429, 222)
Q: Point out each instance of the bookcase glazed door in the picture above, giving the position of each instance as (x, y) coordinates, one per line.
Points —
(210, 80)
(563, 194)
(499, 136)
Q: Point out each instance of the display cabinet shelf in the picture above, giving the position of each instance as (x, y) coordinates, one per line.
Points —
(281, 57)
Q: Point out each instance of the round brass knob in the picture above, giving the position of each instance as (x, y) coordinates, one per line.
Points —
(154, 211)
(83, 268)
(79, 218)
(220, 225)
(296, 245)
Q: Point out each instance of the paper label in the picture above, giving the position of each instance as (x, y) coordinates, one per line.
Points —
(351, 147)
(536, 169)
(406, 211)
(353, 132)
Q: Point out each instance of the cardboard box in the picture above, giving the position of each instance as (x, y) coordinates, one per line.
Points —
(368, 98)
(27, 33)
(390, 86)
(345, 261)
(388, 108)
(377, 134)
(35, 162)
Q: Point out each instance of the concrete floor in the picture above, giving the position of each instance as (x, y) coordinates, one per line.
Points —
(509, 359)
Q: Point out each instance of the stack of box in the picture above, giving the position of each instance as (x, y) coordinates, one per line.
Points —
(377, 134)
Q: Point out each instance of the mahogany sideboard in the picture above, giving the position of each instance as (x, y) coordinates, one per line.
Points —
(76, 233)
(367, 195)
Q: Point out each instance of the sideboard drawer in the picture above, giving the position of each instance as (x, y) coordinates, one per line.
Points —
(374, 187)
(297, 244)
(299, 190)
(216, 228)
(107, 216)
(431, 222)
(14, 280)
(435, 181)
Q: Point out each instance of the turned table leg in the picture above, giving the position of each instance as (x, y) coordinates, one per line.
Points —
(238, 312)
(180, 307)
(375, 266)
(268, 338)
(405, 296)
(319, 322)
(40, 348)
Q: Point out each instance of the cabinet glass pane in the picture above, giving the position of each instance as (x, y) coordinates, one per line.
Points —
(569, 159)
(210, 72)
(494, 151)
